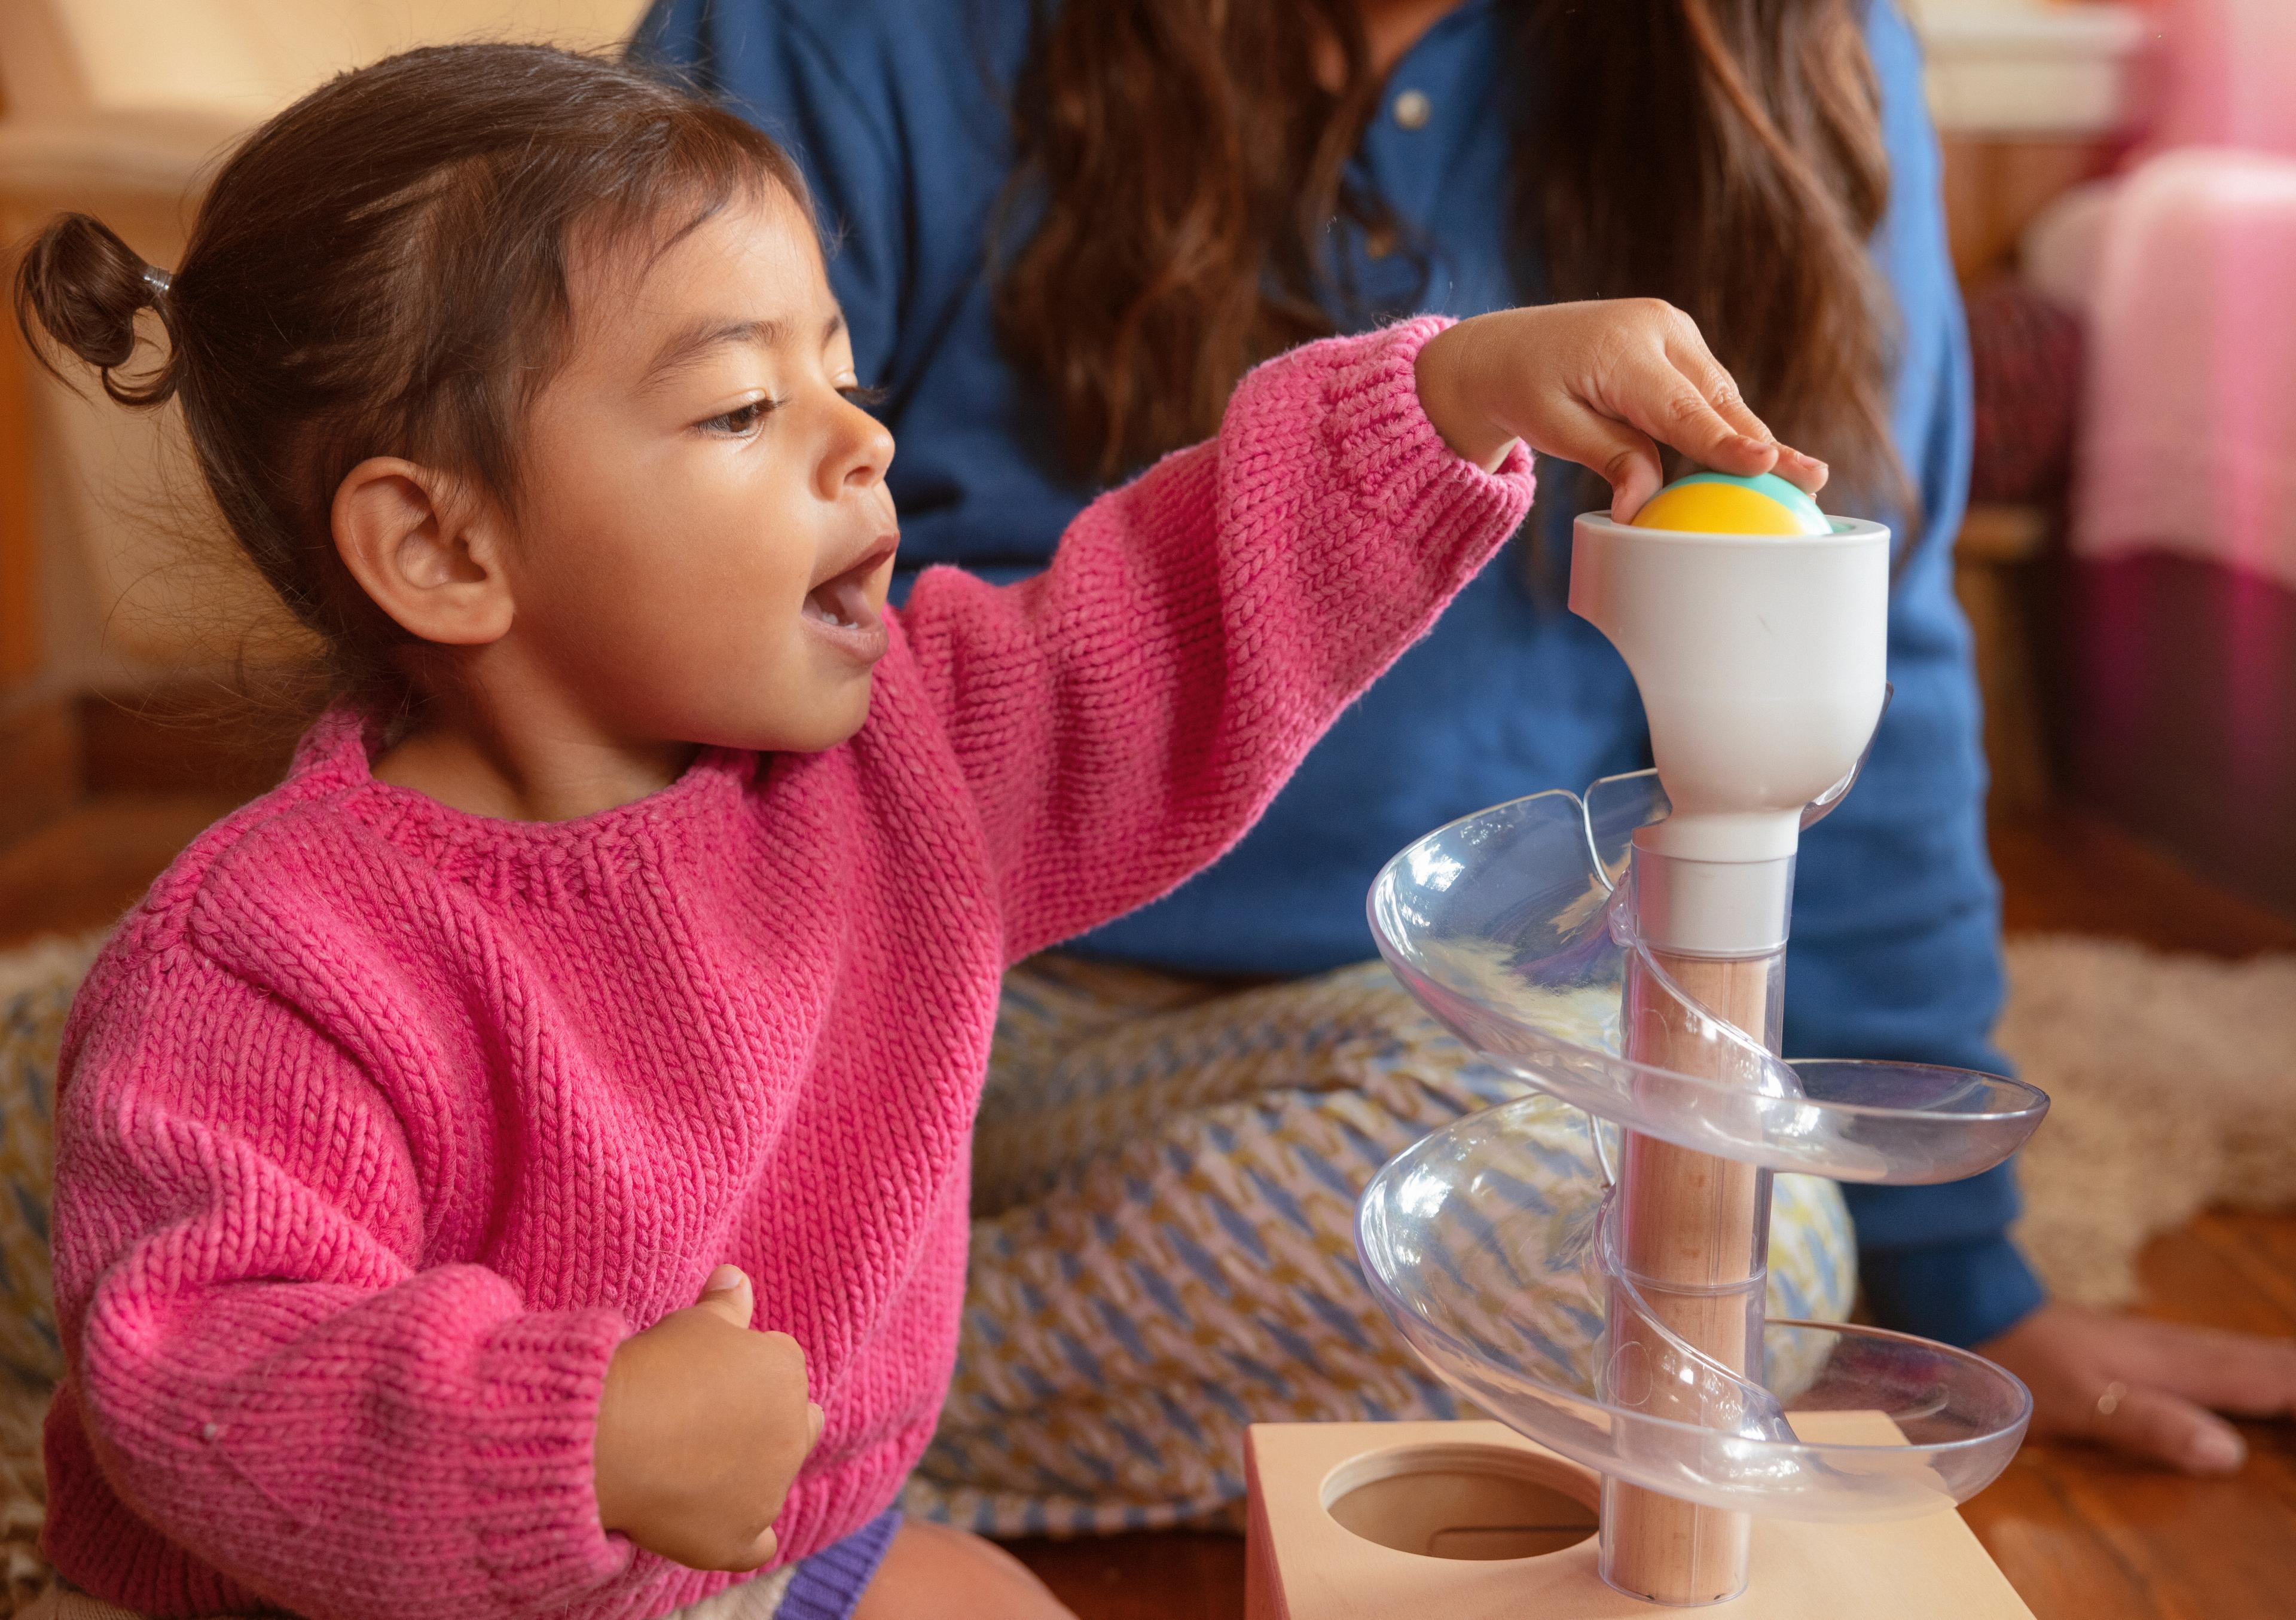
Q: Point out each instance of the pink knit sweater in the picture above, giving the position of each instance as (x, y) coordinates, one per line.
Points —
(383, 1123)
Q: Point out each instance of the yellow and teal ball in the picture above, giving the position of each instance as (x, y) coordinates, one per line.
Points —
(1723, 503)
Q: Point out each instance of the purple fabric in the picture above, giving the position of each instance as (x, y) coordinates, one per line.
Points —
(828, 1584)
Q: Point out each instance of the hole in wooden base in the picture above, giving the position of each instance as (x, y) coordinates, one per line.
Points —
(1462, 1502)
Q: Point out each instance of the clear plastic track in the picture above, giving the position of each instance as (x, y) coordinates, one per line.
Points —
(1516, 928)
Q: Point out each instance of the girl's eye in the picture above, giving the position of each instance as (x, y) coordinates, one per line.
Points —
(861, 396)
(741, 420)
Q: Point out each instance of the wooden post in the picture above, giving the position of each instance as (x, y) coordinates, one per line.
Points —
(1693, 1233)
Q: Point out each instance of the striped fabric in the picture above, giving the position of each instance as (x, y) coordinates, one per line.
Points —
(37, 984)
(1162, 1243)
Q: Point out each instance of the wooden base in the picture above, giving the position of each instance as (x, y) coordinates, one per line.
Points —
(1480, 1496)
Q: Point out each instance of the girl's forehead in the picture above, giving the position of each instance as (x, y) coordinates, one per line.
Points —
(752, 261)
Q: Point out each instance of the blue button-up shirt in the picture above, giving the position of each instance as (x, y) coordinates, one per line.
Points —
(896, 110)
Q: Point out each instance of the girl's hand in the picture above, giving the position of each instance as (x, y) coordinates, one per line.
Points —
(1596, 383)
(701, 1430)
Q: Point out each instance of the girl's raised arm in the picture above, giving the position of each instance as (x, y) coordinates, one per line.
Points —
(1123, 718)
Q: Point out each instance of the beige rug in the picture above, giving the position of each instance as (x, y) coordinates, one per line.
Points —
(2172, 1085)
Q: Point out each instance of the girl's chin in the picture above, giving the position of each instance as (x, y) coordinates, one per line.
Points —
(833, 714)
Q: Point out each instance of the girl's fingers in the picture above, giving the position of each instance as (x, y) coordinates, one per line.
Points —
(1626, 459)
(1686, 351)
(1635, 476)
(728, 1293)
(1669, 406)
(1806, 473)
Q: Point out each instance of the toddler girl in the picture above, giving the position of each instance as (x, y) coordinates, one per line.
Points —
(630, 932)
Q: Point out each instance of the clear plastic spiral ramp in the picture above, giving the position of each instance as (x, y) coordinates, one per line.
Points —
(1656, 1440)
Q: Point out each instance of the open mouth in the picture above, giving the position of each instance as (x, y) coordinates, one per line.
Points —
(842, 604)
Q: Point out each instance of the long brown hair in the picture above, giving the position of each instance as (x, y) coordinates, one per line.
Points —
(381, 270)
(1725, 155)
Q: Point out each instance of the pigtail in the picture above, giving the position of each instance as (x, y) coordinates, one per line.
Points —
(80, 288)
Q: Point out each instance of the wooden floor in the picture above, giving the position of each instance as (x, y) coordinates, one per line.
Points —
(2082, 1536)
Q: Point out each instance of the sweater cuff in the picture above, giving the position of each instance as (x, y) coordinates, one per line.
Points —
(1382, 435)
(1963, 1293)
(533, 1523)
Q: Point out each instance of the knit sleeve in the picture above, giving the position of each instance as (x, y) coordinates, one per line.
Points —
(1124, 716)
(263, 1372)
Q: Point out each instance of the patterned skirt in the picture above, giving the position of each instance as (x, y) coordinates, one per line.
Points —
(1163, 1248)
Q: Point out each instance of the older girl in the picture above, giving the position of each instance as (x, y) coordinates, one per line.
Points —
(1074, 225)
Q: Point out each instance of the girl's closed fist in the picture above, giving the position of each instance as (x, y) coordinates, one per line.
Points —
(1597, 383)
(701, 1429)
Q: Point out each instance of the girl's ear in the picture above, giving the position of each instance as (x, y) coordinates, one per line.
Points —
(424, 550)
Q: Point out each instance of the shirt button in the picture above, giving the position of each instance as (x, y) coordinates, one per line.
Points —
(1413, 109)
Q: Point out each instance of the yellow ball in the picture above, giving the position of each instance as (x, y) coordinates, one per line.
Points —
(1716, 503)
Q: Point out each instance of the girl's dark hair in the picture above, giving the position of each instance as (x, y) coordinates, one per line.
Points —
(381, 270)
(1190, 155)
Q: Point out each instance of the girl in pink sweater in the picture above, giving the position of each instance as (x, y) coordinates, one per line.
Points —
(631, 930)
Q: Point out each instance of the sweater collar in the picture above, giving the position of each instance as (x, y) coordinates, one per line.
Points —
(335, 758)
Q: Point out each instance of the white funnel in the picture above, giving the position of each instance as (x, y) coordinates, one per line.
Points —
(1761, 659)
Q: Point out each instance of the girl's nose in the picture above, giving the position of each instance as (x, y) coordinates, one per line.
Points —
(861, 452)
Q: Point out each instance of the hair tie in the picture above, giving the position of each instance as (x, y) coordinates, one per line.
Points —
(158, 280)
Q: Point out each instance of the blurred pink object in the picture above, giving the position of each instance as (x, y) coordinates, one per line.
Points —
(2224, 75)
(2189, 443)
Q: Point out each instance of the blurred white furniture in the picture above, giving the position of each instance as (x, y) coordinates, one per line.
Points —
(118, 107)
(2031, 96)
(2029, 68)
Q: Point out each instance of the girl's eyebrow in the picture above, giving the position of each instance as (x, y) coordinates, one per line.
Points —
(686, 346)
